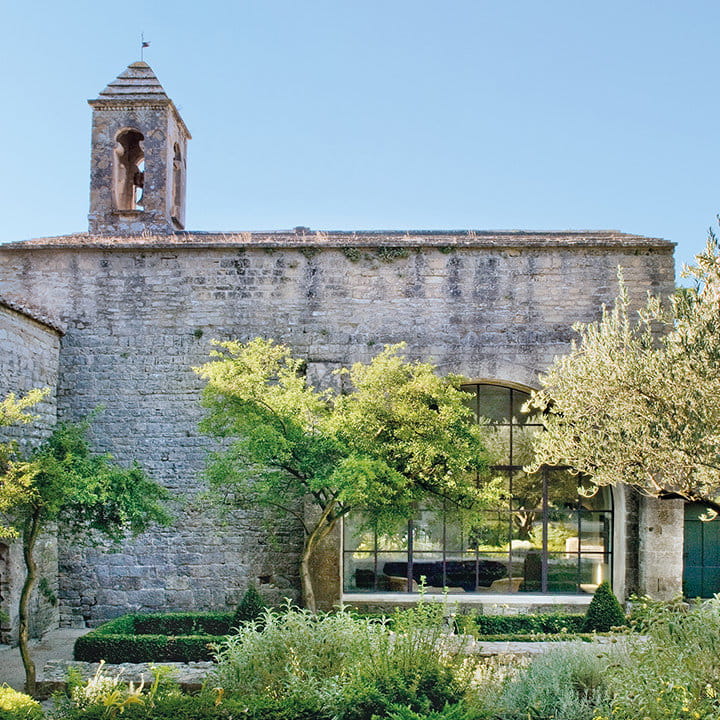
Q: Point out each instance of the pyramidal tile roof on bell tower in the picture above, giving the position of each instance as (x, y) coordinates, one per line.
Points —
(136, 86)
(138, 82)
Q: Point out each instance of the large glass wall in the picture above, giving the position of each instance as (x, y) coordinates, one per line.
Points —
(548, 533)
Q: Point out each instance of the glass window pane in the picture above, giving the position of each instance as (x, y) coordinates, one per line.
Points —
(527, 491)
(526, 531)
(499, 482)
(392, 571)
(594, 569)
(455, 535)
(527, 565)
(494, 403)
(522, 444)
(489, 532)
(496, 439)
(563, 488)
(471, 399)
(428, 567)
(394, 537)
(593, 497)
(562, 530)
(359, 572)
(563, 573)
(355, 535)
(428, 530)
(595, 532)
(519, 398)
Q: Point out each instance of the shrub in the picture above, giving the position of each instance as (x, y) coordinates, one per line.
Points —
(449, 712)
(167, 637)
(604, 611)
(251, 607)
(189, 623)
(529, 624)
(419, 667)
(294, 653)
(343, 666)
(145, 648)
(15, 705)
(570, 684)
(672, 673)
(195, 707)
(422, 689)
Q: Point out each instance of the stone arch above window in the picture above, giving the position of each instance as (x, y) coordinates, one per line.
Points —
(128, 170)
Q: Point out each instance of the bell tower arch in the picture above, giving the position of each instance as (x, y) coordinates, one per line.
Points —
(138, 157)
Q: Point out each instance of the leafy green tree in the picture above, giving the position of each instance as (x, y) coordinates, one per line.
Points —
(14, 410)
(638, 401)
(63, 482)
(401, 434)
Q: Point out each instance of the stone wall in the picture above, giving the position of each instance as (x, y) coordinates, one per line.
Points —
(660, 557)
(30, 356)
(140, 313)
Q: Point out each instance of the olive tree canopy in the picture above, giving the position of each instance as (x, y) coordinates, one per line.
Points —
(637, 399)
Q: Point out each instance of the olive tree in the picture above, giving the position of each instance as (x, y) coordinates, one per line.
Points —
(63, 483)
(637, 399)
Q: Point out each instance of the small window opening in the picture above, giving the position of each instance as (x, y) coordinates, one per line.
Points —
(178, 182)
(129, 170)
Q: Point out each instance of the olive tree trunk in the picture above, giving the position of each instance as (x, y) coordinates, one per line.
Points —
(29, 537)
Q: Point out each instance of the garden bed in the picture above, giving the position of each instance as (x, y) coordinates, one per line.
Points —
(191, 637)
(166, 637)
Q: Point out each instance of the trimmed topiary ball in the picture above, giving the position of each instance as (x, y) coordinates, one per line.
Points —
(251, 607)
(604, 611)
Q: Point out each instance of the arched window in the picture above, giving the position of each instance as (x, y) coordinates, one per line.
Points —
(178, 191)
(128, 170)
(548, 534)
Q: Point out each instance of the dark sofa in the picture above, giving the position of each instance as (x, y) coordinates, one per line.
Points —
(458, 573)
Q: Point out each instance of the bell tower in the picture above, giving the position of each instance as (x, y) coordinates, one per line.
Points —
(138, 157)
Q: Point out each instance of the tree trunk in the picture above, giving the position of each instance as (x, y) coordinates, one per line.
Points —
(308, 592)
(321, 530)
(30, 533)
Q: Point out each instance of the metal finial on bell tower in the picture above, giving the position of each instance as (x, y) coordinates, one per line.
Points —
(143, 45)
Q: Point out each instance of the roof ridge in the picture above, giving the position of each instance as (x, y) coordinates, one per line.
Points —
(34, 313)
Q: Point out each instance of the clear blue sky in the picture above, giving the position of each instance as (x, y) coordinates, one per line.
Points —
(392, 114)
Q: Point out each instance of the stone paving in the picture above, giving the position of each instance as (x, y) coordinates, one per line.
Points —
(55, 645)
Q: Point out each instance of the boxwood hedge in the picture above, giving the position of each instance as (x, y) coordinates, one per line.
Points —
(508, 626)
(167, 637)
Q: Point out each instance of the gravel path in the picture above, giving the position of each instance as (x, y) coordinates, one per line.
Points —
(56, 645)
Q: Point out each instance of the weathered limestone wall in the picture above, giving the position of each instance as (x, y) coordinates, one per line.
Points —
(661, 547)
(29, 356)
(140, 315)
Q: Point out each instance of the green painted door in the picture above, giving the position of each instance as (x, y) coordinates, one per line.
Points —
(701, 574)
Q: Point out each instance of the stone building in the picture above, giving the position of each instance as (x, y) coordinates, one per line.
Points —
(118, 316)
